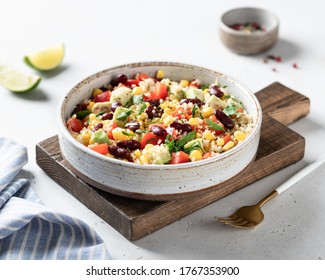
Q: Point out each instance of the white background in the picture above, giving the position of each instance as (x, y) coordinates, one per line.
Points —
(103, 34)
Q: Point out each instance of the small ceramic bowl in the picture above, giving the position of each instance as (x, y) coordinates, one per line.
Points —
(249, 41)
(157, 182)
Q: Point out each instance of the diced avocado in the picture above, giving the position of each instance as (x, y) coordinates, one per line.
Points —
(195, 93)
(121, 116)
(216, 103)
(179, 95)
(122, 94)
(100, 136)
(196, 144)
(101, 107)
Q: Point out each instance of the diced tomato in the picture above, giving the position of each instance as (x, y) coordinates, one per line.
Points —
(161, 90)
(132, 82)
(182, 113)
(207, 155)
(110, 129)
(100, 148)
(179, 157)
(226, 138)
(103, 97)
(142, 76)
(195, 83)
(149, 138)
(74, 124)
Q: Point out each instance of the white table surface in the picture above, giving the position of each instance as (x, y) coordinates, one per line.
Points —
(103, 34)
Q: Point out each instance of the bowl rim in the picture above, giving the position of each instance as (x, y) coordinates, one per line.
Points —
(67, 136)
(227, 29)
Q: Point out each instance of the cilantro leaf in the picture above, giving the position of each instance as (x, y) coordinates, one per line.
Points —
(214, 126)
(186, 138)
(124, 115)
(230, 109)
(143, 107)
(194, 110)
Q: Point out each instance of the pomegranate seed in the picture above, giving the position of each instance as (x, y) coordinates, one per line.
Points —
(295, 65)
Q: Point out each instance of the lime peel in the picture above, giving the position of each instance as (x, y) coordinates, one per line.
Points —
(16, 81)
(46, 59)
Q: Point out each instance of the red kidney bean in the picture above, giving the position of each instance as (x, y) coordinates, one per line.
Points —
(186, 127)
(80, 107)
(119, 79)
(176, 125)
(153, 112)
(107, 116)
(224, 119)
(129, 144)
(158, 130)
(154, 102)
(133, 125)
(98, 126)
(196, 101)
(115, 104)
(119, 152)
(215, 90)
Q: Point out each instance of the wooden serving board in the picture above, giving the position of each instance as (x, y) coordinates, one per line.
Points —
(279, 147)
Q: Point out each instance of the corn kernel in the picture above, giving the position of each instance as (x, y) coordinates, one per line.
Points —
(143, 116)
(137, 153)
(228, 146)
(168, 111)
(198, 135)
(220, 142)
(184, 83)
(137, 91)
(168, 119)
(239, 135)
(92, 117)
(143, 159)
(195, 155)
(148, 146)
(207, 112)
(208, 135)
(119, 135)
(96, 91)
(206, 90)
(160, 74)
(193, 121)
(90, 105)
(86, 138)
(164, 105)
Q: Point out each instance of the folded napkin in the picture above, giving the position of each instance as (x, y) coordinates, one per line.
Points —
(30, 230)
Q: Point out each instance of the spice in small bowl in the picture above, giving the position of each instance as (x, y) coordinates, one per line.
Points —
(248, 27)
(249, 30)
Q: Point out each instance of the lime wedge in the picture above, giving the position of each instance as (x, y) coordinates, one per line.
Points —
(16, 81)
(47, 59)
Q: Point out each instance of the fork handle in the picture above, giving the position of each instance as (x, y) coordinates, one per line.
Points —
(301, 174)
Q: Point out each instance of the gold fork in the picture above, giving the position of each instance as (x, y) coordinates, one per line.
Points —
(251, 216)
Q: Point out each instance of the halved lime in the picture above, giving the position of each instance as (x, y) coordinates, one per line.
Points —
(17, 81)
(47, 59)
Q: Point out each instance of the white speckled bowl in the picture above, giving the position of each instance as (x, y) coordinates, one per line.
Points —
(249, 43)
(157, 182)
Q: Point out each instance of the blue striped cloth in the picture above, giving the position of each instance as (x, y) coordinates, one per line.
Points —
(30, 230)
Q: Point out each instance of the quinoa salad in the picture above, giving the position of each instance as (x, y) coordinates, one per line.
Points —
(154, 120)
